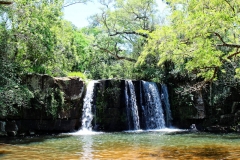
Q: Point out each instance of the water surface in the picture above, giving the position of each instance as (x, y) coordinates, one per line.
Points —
(123, 145)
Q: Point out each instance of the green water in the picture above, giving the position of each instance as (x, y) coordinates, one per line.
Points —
(122, 145)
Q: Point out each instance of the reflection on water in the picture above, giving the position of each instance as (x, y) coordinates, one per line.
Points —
(125, 145)
(87, 150)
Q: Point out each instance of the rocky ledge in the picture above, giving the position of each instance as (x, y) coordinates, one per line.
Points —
(55, 106)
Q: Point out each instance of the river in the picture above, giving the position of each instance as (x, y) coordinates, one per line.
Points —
(160, 144)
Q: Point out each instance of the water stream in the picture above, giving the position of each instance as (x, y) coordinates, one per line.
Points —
(151, 144)
(152, 106)
(87, 116)
(131, 106)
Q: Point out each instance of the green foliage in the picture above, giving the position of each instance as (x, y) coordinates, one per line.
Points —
(113, 91)
(50, 101)
(107, 98)
(33, 36)
(225, 87)
(13, 96)
(199, 38)
(185, 106)
(77, 74)
(120, 38)
(81, 43)
(35, 39)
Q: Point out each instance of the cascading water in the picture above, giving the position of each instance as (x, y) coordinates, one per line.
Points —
(152, 105)
(165, 100)
(87, 116)
(131, 106)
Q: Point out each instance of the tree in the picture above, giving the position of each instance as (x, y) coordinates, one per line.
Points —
(81, 43)
(39, 40)
(200, 37)
(33, 39)
(122, 26)
(12, 94)
(121, 22)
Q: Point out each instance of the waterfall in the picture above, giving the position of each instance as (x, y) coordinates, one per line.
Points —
(152, 105)
(165, 100)
(131, 106)
(87, 116)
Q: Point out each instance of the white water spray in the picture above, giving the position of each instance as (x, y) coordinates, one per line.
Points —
(87, 116)
(152, 106)
(131, 106)
(165, 100)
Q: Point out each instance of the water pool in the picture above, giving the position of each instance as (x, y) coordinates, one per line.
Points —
(123, 145)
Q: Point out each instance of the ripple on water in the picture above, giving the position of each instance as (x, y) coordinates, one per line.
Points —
(131, 145)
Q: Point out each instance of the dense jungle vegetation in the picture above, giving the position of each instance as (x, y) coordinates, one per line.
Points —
(195, 42)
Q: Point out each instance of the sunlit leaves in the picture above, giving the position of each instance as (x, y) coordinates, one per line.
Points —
(200, 38)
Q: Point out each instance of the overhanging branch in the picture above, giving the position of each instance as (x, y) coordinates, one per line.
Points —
(224, 43)
(129, 32)
(117, 57)
(72, 3)
(5, 2)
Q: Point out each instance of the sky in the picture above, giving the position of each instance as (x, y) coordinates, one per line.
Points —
(79, 13)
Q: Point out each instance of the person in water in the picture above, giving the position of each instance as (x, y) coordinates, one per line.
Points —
(193, 127)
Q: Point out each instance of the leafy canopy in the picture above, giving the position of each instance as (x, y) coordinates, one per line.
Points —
(199, 38)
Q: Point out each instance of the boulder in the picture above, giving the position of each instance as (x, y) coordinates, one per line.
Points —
(217, 129)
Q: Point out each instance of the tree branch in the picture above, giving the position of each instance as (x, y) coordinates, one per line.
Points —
(193, 88)
(234, 54)
(115, 55)
(129, 32)
(6, 2)
(229, 45)
(219, 36)
(224, 43)
(230, 5)
(214, 74)
(217, 68)
(72, 3)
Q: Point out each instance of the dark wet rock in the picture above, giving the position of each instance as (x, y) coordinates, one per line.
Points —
(22, 134)
(218, 129)
(31, 133)
(238, 128)
(42, 85)
(35, 118)
(111, 106)
(11, 126)
(2, 126)
(227, 119)
(199, 105)
(12, 133)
